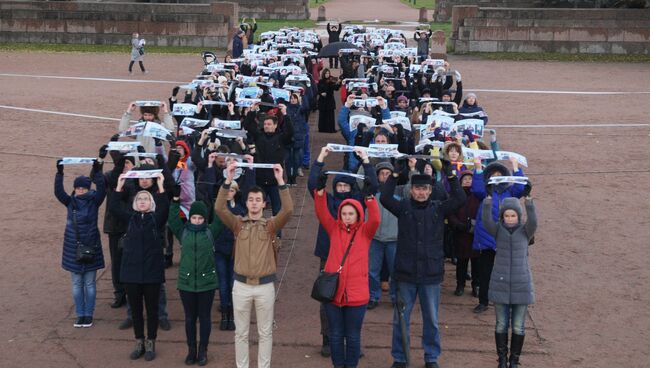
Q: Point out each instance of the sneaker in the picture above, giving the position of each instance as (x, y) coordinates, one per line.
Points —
(164, 324)
(459, 291)
(118, 301)
(126, 324)
(145, 72)
(300, 172)
(88, 322)
(138, 351)
(79, 322)
(480, 308)
(372, 304)
(149, 350)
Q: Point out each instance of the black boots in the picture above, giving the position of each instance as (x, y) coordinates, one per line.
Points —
(460, 289)
(230, 316)
(223, 324)
(501, 340)
(191, 354)
(515, 349)
(202, 356)
(325, 351)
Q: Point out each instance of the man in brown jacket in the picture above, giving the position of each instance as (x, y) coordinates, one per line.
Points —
(255, 253)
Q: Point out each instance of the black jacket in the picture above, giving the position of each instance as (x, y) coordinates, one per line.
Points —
(269, 148)
(420, 255)
(143, 261)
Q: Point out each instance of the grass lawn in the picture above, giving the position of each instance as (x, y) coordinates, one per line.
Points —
(316, 3)
(429, 4)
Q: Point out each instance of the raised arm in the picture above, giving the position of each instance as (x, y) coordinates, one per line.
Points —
(486, 217)
(531, 220)
(457, 197)
(387, 198)
(216, 227)
(59, 191)
(174, 221)
(286, 203)
(374, 217)
(322, 211)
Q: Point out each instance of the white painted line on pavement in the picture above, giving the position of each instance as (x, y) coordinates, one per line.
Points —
(90, 79)
(58, 113)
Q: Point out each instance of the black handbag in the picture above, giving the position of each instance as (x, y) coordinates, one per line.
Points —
(327, 283)
(85, 253)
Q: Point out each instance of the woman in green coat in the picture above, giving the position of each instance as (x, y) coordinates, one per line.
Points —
(197, 276)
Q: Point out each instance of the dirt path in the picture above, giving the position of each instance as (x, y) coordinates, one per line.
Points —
(588, 262)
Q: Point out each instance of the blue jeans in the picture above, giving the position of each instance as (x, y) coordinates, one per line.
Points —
(225, 265)
(162, 305)
(506, 312)
(84, 292)
(345, 333)
(379, 250)
(429, 301)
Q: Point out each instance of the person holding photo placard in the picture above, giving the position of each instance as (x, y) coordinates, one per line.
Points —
(143, 266)
(484, 242)
(81, 232)
(157, 114)
(255, 251)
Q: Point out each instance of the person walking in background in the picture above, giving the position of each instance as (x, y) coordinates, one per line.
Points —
(137, 53)
(238, 44)
(81, 230)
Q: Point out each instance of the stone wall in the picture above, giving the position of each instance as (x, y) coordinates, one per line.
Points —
(274, 9)
(588, 31)
(201, 25)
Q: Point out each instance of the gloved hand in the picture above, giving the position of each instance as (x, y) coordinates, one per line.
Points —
(171, 139)
(493, 135)
(59, 167)
(367, 192)
(157, 142)
(175, 91)
(437, 134)
(447, 168)
(468, 133)
(489, 189)
(457, 75)
(115, 137)
(176, 191)
(103, 151)
(322, 181)
(97, 166)
(426, 150)
(141, 149)
(527, 188)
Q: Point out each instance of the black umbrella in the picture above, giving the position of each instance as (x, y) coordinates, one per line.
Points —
(333, 49)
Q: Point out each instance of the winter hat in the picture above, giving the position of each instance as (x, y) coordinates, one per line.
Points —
(446, 93)
(222, 79)
(465, 173)
(421, 179)
(402, 98)
(82, 182)
(186, 148)
(510, 203)
(384, 165)
(199, 208)
(470, 95)
(130, 159)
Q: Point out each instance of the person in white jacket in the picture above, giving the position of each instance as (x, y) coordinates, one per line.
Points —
(157, 114)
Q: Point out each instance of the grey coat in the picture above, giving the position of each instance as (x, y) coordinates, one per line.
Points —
(135, 50)
(511, 281)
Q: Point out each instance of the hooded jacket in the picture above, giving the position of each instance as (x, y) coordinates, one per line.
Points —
(85, 207)
(483, 240)
(511, 281)
(196, 270)
(335, 199)
(353, 279)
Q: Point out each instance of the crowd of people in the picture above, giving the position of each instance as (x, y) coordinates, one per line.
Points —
(420, 182)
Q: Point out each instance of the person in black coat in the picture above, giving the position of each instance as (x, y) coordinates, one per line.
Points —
(334, 33)
(419, 261)
(143, 263)
(326, 102)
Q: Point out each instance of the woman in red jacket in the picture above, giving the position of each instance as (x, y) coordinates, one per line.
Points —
(345, 313)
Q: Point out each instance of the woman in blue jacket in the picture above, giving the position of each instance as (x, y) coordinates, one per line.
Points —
(81, 228)
(296, 110)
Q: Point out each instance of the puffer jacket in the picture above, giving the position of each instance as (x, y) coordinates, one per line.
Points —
(196, 271)
(511, 281)
(353, 284)
(85, 207)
